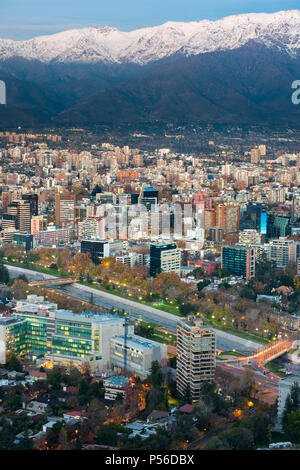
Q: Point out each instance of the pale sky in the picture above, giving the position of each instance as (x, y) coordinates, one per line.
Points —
(24, 19)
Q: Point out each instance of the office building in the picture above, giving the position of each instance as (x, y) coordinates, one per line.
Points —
(33, 200)
(140, 353)
(283, 251)
(21, 212)
(65, 208)
(254, 218)
(25, 240)
(99, 249)
(239, 260)
(38, 223)
(164, 258)
(196, 355)
(37, 329)
(279, 225)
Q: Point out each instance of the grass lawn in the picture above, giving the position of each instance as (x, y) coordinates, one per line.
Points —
(273, 367)
(170, 308)
(229, 353)
(246, 366)
(39, 269)
(242, 334)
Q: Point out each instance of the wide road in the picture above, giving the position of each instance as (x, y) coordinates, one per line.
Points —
(224, 341)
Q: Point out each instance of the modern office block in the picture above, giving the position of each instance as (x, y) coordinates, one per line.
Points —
(140, 353)
(24, 240)
(239, 260)
(164, 258)
(38, 329)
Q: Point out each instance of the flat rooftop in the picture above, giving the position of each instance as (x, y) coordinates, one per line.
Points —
(137, 342)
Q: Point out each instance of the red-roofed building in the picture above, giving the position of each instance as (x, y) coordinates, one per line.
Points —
(187, 409)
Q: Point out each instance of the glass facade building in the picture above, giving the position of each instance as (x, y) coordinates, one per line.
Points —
(39, 329)
(239, 261)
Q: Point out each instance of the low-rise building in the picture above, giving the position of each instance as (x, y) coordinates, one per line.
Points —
(140, 353)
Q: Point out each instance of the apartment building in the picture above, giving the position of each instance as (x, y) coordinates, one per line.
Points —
(196, 353)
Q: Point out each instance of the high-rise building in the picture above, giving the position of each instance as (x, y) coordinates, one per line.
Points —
(254, 218)
(279, 225)
(239, 260)
(164, 258)
(140, 353)
(38, 223)
(209, 218)
(228, 217)
(33, 200)
(255, 156)
(215, 234)
(196, 355)
(91, 227)
(283, 251)
(65, 208)
(21, 211)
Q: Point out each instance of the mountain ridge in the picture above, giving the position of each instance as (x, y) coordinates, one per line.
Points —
(145, 45)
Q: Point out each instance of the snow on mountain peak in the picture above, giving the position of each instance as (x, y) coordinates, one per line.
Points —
(141, 46)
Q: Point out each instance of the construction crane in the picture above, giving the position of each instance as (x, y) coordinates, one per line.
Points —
(125, 343)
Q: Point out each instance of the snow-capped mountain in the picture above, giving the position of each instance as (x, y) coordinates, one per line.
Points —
(111, 46)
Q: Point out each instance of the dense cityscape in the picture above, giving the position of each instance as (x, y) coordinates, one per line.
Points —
(150, 292)
(149, 232)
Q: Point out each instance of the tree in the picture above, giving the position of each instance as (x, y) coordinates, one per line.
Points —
(187, 394)
(143, 330)
(217, 444)
(74, 377)
(239, 439)
(13, 363)
(292, 427)
(54, 378)
(292, 402)
(108, 434)
(4, 274)
(188, 309)
(63, 438)
(156, 375)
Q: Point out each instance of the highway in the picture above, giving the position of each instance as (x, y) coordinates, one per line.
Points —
(224, 341)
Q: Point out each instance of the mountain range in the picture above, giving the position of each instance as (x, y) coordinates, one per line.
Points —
(237, 69)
